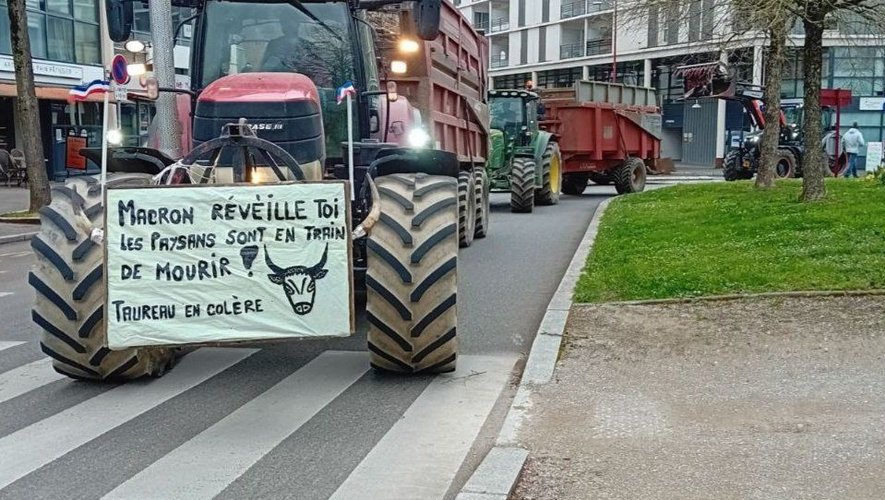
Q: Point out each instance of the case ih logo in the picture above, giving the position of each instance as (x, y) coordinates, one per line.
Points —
(268, 126)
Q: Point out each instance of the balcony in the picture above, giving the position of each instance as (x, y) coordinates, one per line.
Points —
(581, 7)
(500, 24)
(499, 63)
(571, 50)
(600, 46)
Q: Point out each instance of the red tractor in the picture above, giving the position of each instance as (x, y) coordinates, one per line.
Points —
(267, 76)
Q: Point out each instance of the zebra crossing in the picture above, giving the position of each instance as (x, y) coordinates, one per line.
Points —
(328, 428)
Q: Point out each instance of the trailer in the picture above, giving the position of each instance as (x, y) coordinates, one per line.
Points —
(607, 133)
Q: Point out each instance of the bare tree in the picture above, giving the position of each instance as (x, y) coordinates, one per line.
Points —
(774, 63)
(27, 107)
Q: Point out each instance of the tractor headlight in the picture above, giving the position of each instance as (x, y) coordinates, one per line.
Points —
(418, 138)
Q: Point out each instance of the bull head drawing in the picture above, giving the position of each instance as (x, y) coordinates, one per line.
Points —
(299, 282)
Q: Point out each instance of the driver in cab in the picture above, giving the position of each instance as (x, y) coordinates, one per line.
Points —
(282, 53)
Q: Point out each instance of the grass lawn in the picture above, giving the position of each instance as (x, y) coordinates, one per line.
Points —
(705, 239)
(23, 214)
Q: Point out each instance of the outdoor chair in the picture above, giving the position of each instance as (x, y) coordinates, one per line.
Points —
(17, 171)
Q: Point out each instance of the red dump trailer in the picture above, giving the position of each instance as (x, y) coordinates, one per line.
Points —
(608, 133)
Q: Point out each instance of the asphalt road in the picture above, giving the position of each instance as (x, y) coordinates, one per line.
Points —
(288, 420)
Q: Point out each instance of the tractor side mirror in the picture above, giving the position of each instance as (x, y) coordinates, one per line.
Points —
(427, 18)
(120, 19)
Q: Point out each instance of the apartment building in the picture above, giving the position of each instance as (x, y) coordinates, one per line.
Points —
(69, 46)
(555, 42)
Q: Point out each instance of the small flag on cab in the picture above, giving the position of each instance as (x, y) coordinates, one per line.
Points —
(84, 90)
(346, 90)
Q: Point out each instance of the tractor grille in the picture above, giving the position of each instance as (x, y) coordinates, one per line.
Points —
(296, 126)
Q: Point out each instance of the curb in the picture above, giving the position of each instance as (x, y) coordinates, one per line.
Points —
(498, 472)
(740, 296)
(14, 238)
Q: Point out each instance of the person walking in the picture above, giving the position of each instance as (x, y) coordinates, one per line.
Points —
(852, 141)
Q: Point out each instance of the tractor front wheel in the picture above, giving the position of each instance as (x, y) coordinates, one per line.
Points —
(412, 275)
(481, 193)
(574, 184)
(522, 186)
(551, 175)
(786, 164)
(71, 291)
(629, 177)
(466, 208)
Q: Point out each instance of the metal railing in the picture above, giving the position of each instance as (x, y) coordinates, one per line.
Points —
(581, 7)
(571, 50)
(600, 46)
(499, 63)
(500, 24)
(482, 25)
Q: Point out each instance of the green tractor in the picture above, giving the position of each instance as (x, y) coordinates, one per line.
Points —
(523, 160)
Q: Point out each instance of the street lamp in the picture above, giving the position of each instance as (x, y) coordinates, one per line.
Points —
(135, 46)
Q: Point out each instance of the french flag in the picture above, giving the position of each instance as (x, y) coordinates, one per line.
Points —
(346, 90)
(82, 91)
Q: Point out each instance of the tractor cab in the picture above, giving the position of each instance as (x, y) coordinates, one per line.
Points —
(515, 114)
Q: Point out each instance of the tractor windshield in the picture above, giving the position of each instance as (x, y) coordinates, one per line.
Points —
(242, 37)
(508, 114)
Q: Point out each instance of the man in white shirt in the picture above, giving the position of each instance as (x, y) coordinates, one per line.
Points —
(852, 141)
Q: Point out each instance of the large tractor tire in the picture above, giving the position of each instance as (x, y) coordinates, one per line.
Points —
(601, 178)
(70, 289)
(786, 164)
(731, 169)
(551, 177)
(522, 185)
(466, 208)
(483, 209)
(629, 177)
(412, 275)
(574, 184)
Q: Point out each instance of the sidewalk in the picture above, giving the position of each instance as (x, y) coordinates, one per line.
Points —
(755, 398)
(13, 199)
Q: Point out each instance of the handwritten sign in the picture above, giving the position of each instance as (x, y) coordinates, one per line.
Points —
(227, 263)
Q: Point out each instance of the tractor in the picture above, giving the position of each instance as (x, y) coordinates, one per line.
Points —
(266, 74)
(523, 160)
(717, 81)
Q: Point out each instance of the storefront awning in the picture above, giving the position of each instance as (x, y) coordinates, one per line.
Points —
(50, 93)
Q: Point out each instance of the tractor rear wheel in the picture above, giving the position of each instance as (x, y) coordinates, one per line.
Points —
(601, 178)
(731, 170)
(481, 193)
(629, 177)
(412, 275)
(574, 184)
(522, 185)
(551, 176)
(71, 291)
(466, 208)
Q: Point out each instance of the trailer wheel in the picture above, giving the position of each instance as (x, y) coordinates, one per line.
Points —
(574, 184)
(786, 164)
(601, 178)
(522, 186)
(481, 193)
(466, 208)
(70, 289)
(551, 168)
(412, 275)
(629, 177)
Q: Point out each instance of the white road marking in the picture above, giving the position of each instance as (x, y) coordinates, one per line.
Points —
(34, 446)
(7, 344)
(17, 254)
(5, 294)
(204, 466)
(27, 378)
(420, 455)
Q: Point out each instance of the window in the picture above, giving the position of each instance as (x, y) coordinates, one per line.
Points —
(521, 13)
(542, 44)
(524, 47)
(563, 77)
(516, 81)
(5, 42)
(60, 30)
(694, 20)
(652, 25)
(481, 20)
(545, 11)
